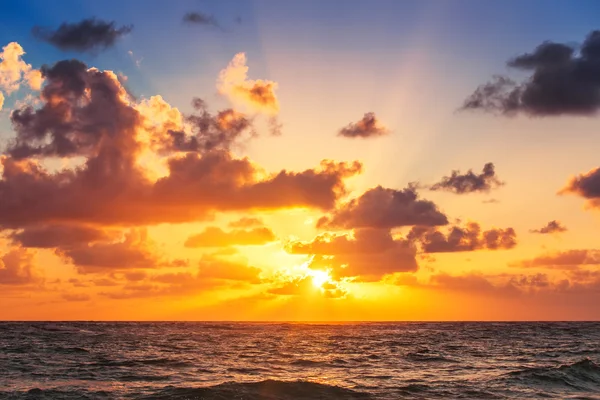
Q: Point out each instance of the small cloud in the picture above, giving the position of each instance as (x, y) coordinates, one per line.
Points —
(469, 182)
(88, 35)
(468, 238)
(551, 227)
(367, 127)
(257, 95)
(137, 61)
(491, 201)
(199, 18)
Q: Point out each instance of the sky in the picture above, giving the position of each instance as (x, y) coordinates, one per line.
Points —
(279, 161)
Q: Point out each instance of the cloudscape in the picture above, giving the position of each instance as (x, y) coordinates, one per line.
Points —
(211, 163)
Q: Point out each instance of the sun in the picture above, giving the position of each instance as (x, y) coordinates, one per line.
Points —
(319, 277)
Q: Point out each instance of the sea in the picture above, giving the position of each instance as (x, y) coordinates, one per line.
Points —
(277, 361)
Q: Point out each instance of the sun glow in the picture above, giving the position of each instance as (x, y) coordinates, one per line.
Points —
(319, 277)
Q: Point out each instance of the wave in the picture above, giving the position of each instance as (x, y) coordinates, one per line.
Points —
(582, 375)
(263, 390)
(163, 362)
(427, 356)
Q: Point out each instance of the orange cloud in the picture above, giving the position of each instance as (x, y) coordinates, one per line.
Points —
(216, 237)
(255, 95)
(13, 70)
(88, 113)
(246, 222)
(212, 273)
(17, 268)
(567, 260)
(135, 250)
(469, 238)
(55, 235)
(367, 255)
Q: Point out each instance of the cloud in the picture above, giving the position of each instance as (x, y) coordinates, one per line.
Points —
(81, 107)
(294, 287)
(88, 35)
(564, 260)
(52, 236)
(216, 237)
(563, 80)
(585, 185)
(212, 273)
(87, 113)
(367, 254)
(367, 127)
(14, 71)
(469, 238)
(17, 268)
(199, 18)
(136, 61)
(208, 132)
(246, 222)
(255, 95)
(553, 226)
(469, 182)
(109, 190)
(491, 201)
(134, 251)
(384, 208)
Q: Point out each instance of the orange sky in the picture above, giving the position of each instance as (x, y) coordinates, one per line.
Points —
(115, 207)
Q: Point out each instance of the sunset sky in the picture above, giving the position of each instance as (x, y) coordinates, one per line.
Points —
(389, 160)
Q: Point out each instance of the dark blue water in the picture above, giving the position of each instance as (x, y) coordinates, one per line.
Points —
(241, 361)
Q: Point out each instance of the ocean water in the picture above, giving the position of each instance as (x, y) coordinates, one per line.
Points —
(244, 361)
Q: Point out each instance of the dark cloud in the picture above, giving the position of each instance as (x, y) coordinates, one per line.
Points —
(200, 18)
(216, 237)
(17, 268)
(562, 80)
(564, 260)
(88, 35)
(551, 227)
(385, 208)
(368, 254)
(470, 182)
(469, 238)
(209, 132)
(585, 185)
(51, 236)
(367, 127)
